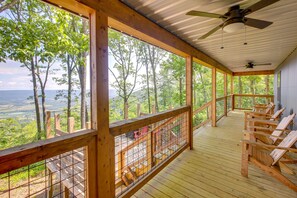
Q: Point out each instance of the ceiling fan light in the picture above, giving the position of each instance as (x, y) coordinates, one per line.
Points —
(233, 27)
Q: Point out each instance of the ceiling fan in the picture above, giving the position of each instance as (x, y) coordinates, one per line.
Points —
(251, 65)
(235, 18)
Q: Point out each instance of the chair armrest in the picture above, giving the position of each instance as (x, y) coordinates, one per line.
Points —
(261, 121)
(262, 134)
(263, 129)
(271, 147)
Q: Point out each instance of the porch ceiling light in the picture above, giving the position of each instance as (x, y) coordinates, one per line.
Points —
(233, 27)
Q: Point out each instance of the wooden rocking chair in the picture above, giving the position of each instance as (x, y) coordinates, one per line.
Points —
(272, 132)
(267, 109)
(272, 163)
(249, 116)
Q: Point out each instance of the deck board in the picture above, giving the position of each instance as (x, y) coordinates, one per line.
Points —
(212, 169)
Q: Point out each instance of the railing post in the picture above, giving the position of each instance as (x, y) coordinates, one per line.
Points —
(57, 122)
(214, 96)
(71, 125)
(105, 153)
(189, 97)
(48, 124)
(232, 92)
(225, 95)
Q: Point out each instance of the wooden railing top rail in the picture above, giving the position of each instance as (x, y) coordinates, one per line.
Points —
(17, 157)
(202, 107)
(254, 95)
(220, 98)
(121, 127)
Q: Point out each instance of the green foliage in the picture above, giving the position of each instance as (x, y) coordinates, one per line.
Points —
(13, 133)
(202, 85)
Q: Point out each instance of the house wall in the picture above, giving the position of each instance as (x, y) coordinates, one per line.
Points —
(288, 85)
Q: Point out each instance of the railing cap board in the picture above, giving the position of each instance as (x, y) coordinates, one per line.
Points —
(121, 127)
(19, 156)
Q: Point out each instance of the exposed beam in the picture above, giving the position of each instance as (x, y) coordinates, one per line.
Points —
(72, 6)
(135, 23)
(251, 73)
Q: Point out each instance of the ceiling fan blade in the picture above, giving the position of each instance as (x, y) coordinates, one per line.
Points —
(262, 64)
(211, 31)
(205, 14)
(256, 23)
(257, 6)
(238, 66)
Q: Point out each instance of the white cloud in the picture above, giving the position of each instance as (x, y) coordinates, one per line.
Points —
(1, 82)
(12, 83)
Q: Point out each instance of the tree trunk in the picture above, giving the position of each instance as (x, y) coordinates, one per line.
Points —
(36, 102)
(253, 90)
(267, 84)
(69, 71)
(204, 90)
(148, 87)
(82, 81)
(240, 91)
(180, 92)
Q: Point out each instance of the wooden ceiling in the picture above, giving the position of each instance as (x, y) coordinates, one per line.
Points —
(270, 45)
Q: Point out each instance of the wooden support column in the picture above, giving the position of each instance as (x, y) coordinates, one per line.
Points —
(225, 94)
(232, 92)
(214, 96)
(105, 162)
(189, 97)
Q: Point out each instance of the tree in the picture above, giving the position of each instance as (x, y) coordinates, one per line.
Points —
(126, 53)
(7, 4)
(30, 38)
(152, 56)
(73, 56)
(175, 66)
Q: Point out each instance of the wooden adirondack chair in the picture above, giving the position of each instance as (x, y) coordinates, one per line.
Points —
(249, 116)
(271, 133)
(272, 163)
(267, 109)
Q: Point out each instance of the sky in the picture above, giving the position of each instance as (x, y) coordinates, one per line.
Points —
(15, 77)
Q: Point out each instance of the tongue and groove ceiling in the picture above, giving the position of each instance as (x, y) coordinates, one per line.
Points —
(270, 45)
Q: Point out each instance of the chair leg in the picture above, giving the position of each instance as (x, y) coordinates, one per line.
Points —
(275, 173)
(245, 160)
(50, 184)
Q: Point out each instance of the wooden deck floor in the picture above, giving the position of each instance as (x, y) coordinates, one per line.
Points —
(212, 169)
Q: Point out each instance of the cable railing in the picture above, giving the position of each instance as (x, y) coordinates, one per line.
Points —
(156, 139)
(247, 101)
(53, 167)
(202, 115)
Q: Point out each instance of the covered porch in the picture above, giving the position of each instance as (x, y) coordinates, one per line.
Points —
(212, 168)
(176, 156)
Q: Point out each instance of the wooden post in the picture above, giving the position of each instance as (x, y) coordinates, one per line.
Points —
(214, 96)
(50, 187)
(48, 124)
(120, 161)
(225, 94)
(57, 121)
(104, 176)
(232, 92)
(245, 156)
(149, 150)
(71, 125)
(138, 110)
(189, 98)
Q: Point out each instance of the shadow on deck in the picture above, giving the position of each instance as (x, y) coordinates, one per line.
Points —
(212, 169)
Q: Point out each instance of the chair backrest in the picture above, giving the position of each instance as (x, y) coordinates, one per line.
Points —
(287, 142)
(270, 108)
(277, 114)
(282, 126)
